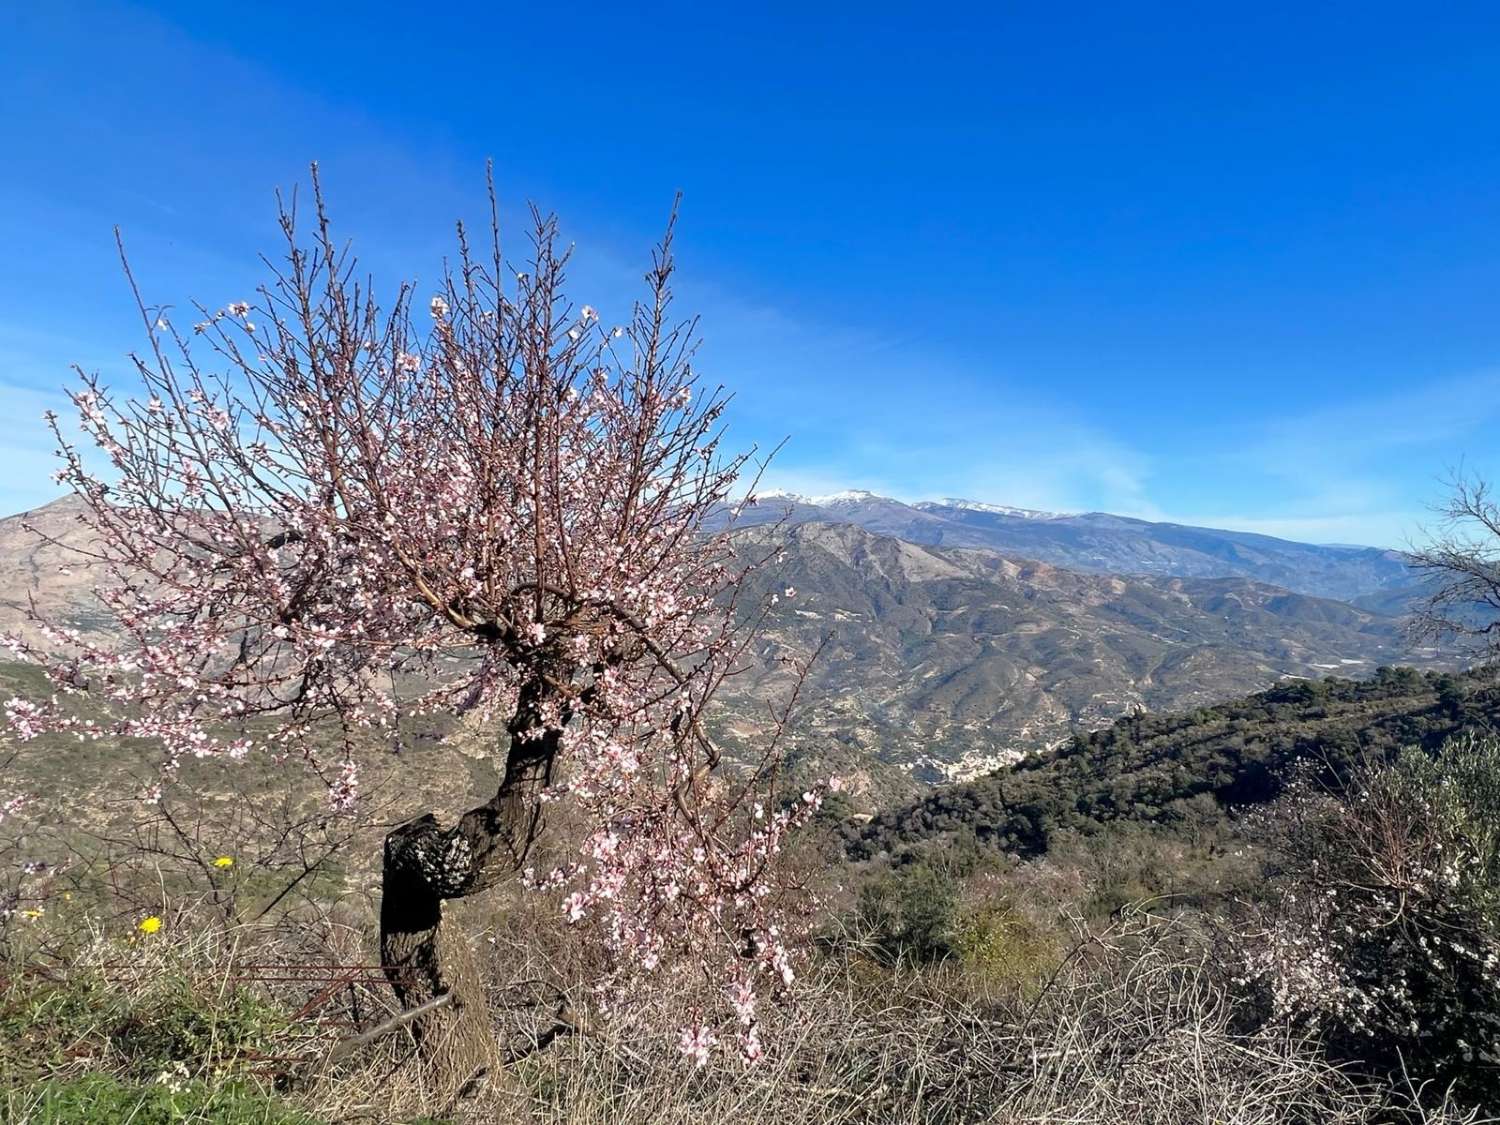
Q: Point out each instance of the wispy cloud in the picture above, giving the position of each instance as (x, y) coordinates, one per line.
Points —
(1366, 469)
(1365, 431)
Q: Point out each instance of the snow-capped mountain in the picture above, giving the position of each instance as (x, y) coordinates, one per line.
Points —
(832, 500)
(995, 509)
(1100, 543)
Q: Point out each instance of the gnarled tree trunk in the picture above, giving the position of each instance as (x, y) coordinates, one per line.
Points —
(424, 951)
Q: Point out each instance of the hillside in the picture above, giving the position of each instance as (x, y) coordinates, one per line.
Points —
(1171, 768)
(942, 663)
(1100, 543)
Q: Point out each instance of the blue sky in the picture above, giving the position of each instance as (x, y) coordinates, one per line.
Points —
(1225, 264)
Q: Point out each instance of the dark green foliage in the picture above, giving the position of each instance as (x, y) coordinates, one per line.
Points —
(1172, 769)
(911, 913)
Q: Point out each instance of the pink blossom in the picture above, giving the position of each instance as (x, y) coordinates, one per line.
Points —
(461, 518)
(11, 805)
(696, 1042)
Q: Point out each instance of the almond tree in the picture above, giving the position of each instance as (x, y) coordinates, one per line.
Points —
(320, 514)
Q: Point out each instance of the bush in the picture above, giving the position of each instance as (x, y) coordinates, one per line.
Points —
(1385, 928)
(1136, 1027)
(1007, 947)
(910, 914)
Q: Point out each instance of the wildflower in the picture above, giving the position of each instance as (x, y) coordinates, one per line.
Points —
(149, 925)
(224, 861)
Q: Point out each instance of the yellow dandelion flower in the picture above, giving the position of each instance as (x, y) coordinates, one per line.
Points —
(32, 913)
(149, 925)
(224, 861)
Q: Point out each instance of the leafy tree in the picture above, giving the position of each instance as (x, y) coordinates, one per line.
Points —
(318, 514)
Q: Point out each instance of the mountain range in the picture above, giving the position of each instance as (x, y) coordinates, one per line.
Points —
(944, 655)
(939, 663)
(1099, 543)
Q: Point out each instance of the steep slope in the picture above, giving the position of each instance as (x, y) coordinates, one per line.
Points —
(941, 662)
(34, 569)
(1189, 767)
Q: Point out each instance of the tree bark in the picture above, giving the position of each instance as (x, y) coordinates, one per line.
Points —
(423, 949)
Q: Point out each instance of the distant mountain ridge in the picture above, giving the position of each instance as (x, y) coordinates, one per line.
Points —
(1100, 543)
(942, 662)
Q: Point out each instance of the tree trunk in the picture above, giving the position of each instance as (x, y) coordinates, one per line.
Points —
(423, 948)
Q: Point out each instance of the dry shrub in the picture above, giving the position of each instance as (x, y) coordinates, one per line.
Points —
(1134, 1027)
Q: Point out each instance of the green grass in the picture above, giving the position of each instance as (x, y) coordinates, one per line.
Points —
(93, 1099)
(161, 1017)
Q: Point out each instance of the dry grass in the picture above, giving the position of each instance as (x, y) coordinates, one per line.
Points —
(1133, 1028)
(1136, 1026)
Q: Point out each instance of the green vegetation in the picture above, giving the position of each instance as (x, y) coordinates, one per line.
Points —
(91, 1099)
(1185, 772)
(137, 1031)
(138, 1010)
(1123, 927)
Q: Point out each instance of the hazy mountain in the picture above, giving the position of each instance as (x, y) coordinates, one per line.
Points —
(54, 578)
(1107, 544)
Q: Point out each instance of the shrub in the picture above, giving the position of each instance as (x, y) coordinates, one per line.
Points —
(1137, 1027)
(1007, 947)
(910, 914)
(1384, 930)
